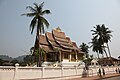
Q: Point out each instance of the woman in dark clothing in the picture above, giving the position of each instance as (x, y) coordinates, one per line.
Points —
(99, 72)
(103, 71)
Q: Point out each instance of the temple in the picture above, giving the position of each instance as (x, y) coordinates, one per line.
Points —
(59, 49)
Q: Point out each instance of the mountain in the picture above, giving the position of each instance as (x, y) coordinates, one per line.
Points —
(5, 57)
(20, 58)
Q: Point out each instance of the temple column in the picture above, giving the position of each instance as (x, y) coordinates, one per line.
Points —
(60, 56)
(69, 57)
(76, 56)
(45, 58)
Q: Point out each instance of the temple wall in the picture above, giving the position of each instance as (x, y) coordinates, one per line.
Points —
(65, 60)
(17, 73)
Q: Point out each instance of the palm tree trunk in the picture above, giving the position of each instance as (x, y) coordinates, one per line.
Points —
(98, 58)
(109, 53)
(105, 53)
(40, 57)
(39, 52)
(108, 50)
(102, 55)
(98, 55)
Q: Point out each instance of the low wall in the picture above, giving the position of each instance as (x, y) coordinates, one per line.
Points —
(15, 73)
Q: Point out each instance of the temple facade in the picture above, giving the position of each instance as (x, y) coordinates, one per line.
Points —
(59, 49)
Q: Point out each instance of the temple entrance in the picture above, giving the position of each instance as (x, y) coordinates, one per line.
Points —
(51, 57)
(73, 57)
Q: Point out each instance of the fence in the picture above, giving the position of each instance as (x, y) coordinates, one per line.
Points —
(15, 73)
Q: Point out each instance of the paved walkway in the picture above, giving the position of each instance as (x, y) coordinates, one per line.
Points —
(80, 78)
(95, 77)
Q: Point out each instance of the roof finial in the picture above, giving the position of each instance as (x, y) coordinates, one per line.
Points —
(58, 29)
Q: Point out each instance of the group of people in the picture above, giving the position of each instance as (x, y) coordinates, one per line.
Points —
(100, 72)
(117, 70)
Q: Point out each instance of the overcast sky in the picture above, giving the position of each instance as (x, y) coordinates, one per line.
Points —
(75, 17)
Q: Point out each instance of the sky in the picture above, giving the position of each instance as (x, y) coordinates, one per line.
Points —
(75, 17)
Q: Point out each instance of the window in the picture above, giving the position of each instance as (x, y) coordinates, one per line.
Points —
(51, 57)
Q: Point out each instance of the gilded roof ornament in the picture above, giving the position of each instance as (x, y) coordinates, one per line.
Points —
(58, 29)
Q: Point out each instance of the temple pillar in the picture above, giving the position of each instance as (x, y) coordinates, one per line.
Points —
(60, 56)
(76, 56)
(45, 57)
(69, 57)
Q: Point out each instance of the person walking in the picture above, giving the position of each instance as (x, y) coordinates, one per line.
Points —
(116, 70)
(99, 72)
(84, 74)
(103, 71)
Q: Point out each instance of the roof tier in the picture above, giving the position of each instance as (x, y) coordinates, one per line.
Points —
(51, 40)
(44, 44)
(57, 40)
(62, 40)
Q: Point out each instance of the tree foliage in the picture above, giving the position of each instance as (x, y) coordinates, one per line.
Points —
(1, 62)
(84, 47)
(101, 36)
(38, 22)
(28, 59)
(14, 61)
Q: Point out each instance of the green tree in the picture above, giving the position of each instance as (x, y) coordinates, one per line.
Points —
(39, 22)
(28, 59)
(14, 61)
(87, 61)
(84, 47)
(103, 36)
(88, 58)
(1, 62)
(106, 37)
(97, 47)
(35, 54)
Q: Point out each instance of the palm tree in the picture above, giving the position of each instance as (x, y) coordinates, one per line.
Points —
(38, 22)
(97, 47)
(103, 35)
(106, 36)
(84, 47)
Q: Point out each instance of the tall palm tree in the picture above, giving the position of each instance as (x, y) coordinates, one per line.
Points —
(38, 22)
(106, 36)
(103, 35)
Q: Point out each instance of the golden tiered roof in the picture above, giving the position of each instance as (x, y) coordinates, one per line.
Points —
(57, 39)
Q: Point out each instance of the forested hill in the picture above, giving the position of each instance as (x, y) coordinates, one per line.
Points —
(6, 57)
